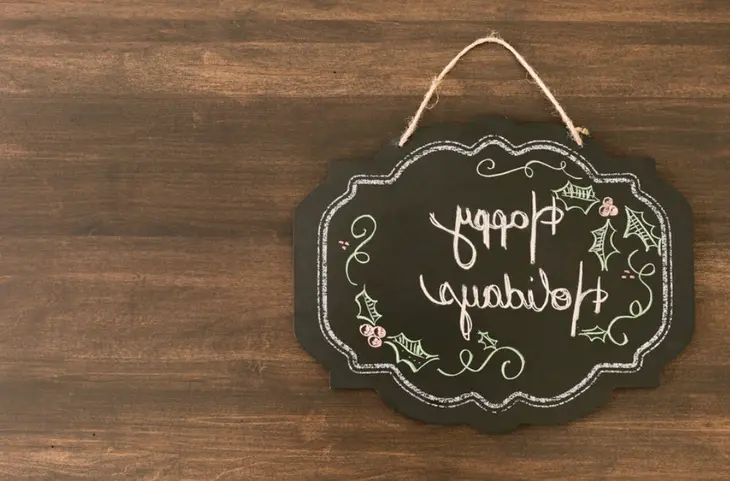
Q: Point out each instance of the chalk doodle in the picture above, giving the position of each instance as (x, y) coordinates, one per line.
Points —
(366, 307)
(576, 197)
(636, 308)
(637, 226)
(607, 209)
(603, 246)
(466, 357)
(526, 169)
(486, 340)
(368, 313)
(375, 334)
(407, 351)
(410, 352)
(358, 255)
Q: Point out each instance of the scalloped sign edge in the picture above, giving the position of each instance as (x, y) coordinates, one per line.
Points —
(470, 138)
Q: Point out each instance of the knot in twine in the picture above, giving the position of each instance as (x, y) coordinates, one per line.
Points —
(575, 132)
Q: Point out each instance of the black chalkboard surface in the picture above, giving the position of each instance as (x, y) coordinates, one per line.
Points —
(493, 274)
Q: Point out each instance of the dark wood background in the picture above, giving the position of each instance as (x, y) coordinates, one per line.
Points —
(152, 153)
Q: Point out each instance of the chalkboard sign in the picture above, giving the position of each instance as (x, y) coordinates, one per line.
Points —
(493, 274)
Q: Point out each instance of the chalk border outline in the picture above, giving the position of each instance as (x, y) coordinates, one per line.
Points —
(471, 151)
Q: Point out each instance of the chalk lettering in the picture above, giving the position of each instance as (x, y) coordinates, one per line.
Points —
(509, 297)
(485, 222)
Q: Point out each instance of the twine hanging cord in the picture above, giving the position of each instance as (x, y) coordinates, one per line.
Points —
(495, 39)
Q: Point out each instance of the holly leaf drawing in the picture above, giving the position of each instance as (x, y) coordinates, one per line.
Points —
(366, 307)
(487, 341)
(409, 352)
(603, 244)
(637, 226)
(576, 197)
(595, 334)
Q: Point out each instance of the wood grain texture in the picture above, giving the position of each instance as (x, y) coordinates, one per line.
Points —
(152, 153)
